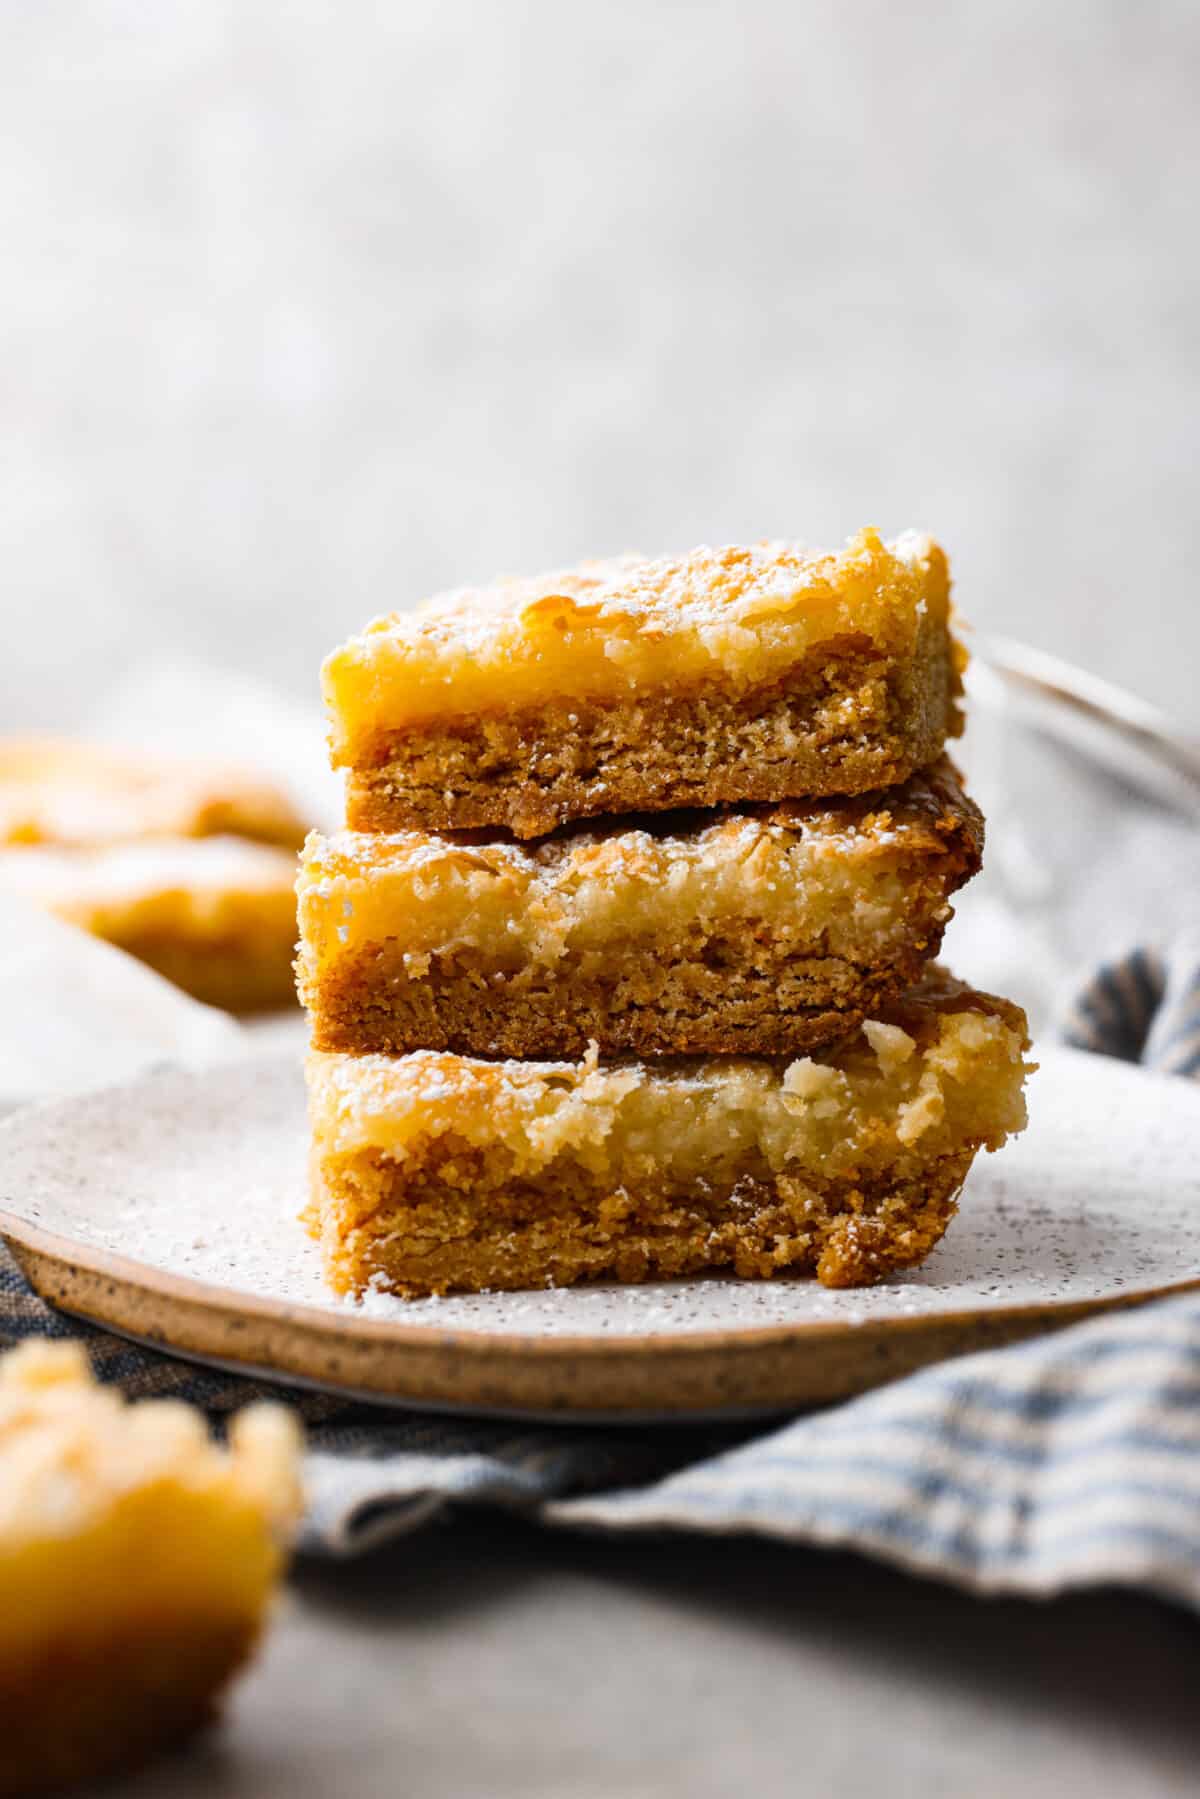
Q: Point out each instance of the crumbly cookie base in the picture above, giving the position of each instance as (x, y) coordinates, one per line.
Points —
(456, 1224)
(83, 1711)
(846, 720)
(722, 996)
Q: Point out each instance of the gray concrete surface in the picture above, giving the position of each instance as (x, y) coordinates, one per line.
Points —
(308, 309)
(485, 1661)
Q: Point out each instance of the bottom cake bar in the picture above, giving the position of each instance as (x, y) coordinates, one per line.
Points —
(434, 1173)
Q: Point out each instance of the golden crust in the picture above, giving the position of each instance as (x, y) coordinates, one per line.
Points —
(846, 718)
(742, 615)
(421, 1240)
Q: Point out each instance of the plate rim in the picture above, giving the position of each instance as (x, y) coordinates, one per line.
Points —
(697, 1376)
(594, 1377)
(148, 1278)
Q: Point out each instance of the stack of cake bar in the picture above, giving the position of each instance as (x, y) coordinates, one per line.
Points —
(623, 966)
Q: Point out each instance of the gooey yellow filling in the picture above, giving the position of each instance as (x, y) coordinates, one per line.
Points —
(742, 615)
(950, 1080)
(809, 890)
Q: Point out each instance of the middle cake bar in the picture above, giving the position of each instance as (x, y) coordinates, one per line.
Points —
(766, 930)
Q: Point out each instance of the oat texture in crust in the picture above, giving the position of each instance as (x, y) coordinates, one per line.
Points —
(137, 1561)
(60, 791)
(216, 915)
(757, 673)
(433, 1172)
(761, 931)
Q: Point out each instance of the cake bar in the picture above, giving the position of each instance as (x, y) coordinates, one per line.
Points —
(762, 931)
(215, 915)
(433, 1172)
(137, 1559)
(59, 791)
(188, 864)
(745, 674)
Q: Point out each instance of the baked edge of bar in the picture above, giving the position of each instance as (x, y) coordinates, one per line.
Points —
(470, 1020)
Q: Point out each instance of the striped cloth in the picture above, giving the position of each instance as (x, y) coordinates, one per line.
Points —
(1144, 1007)
(1070, 1461)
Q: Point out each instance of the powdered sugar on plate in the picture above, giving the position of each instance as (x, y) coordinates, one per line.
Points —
(203, 1175)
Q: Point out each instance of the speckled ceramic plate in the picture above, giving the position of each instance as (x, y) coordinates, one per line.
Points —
(167, 1210)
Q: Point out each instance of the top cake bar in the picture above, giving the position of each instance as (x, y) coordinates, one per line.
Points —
(768, 672)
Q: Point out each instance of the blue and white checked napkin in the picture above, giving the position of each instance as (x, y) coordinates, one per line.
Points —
(1070, 1461)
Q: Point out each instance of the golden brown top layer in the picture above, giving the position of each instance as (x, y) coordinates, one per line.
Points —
(57, 791)
(743, 615)
(942, 1068)
(835, 873)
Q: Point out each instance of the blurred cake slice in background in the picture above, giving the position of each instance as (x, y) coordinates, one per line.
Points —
(137, 1562)
(60, 791)
(188, 865)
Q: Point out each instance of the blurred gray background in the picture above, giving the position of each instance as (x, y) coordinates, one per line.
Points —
(307, 309)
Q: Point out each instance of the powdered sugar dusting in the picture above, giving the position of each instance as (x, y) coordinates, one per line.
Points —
(746, 613)
(204, 1175)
